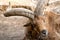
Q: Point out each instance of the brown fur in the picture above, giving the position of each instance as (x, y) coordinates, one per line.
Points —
(52, 25)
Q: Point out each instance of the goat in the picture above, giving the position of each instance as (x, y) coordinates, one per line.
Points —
(42, 26)
(36, 29)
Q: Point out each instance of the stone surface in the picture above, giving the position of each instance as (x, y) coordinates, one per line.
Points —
(11, 28)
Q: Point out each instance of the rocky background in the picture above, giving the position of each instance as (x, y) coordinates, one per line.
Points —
(12, 28)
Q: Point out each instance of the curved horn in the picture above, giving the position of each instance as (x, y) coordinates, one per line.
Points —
(40, 7)
(19, 12)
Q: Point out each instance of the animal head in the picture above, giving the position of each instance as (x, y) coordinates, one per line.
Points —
(43, 24)
(53, 18)
(37, 23)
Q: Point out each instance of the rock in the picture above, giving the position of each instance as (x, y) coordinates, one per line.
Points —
(11, 28)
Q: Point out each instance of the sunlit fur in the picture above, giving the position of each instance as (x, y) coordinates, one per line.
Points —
(52, 21)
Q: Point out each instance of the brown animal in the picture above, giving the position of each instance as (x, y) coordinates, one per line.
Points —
(41, 27)
(36, 30)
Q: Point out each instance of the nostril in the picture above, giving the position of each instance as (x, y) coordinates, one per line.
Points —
(44, 33)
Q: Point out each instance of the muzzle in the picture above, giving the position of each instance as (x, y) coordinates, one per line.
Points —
(43, 35)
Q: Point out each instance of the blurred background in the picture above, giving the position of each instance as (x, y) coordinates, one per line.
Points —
(12, 28)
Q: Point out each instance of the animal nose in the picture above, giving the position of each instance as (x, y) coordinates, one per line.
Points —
(44, 33)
